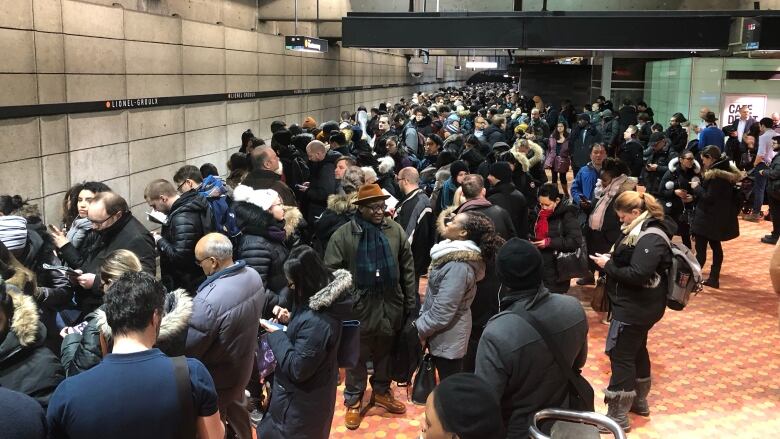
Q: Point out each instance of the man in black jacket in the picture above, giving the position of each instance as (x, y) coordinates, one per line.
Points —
(582, 137)
(657, 163)
(414, 214)
(265, 163)
(512, 356)
(631, 151)
(188, 219)
(495, 132)
(322, 184)
(504, 194)
(474, 192)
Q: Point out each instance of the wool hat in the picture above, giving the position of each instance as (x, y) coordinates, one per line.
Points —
(655, 138)
(451, 128)
(262, 198)
(457, 167)
(467, 407)
(501, 147)
(502, 171)
(13, 231)
(282, 137)
(309, 123)
(277, 125)
(519, 265)
(368, 193)
(583, 116)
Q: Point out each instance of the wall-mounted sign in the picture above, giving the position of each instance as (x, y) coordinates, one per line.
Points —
(302, 43)
(733, 102)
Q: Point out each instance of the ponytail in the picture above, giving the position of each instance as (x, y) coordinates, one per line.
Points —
(642, 201)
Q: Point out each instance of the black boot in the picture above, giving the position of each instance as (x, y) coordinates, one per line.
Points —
(618, 404)
(640, 406)
(712, 283)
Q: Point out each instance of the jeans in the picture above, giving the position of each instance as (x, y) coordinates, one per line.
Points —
(376, 348)
(446, 367)
(629, 358)
(759, 188)
(717, 255)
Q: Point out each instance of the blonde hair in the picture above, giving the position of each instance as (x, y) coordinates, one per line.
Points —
(117, 263)
(642, 201)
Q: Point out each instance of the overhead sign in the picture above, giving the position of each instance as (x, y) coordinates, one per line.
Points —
(733, 102)
(302, 43)
(751, 33)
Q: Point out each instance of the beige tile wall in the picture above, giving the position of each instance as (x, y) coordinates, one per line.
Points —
(54, 51)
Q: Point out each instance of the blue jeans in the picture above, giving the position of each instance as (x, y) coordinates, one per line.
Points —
(759, 188)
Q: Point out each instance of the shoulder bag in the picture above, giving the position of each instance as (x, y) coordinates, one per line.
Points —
(182, 373)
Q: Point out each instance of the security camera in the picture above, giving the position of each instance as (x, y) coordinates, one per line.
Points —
(416, 66)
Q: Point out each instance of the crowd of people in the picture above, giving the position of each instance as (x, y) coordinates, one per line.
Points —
(463, 190)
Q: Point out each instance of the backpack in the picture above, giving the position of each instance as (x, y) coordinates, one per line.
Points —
(684, 275)
(416, 149)
(224, 220)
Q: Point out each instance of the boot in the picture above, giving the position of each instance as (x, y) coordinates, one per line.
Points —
(353, 417)
(640, 406)
(618, 404)
(388, 402)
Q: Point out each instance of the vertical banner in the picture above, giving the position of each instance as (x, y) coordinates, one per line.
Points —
(733, 102)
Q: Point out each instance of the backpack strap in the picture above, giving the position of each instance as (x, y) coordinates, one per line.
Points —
(655, 231)
(184, 390)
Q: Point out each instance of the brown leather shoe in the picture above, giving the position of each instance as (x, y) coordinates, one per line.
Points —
(353, 417)
(388, 402)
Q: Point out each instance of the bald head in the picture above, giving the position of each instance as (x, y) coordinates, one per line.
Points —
(316, 151)
(408, 179)
(213, 253)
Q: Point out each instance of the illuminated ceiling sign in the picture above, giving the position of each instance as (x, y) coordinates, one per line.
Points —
(302, 43)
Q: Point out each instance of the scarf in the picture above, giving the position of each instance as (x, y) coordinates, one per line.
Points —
(448, 246)
(633, 230)
(78, 230)
(377, 268)
(596, 219)
(13, 232)
(542, 227)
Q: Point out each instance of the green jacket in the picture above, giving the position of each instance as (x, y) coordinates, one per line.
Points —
(379, 314)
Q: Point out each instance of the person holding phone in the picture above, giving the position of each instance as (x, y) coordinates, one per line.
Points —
(636, 284)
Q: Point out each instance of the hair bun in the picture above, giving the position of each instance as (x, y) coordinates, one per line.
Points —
(17, 201)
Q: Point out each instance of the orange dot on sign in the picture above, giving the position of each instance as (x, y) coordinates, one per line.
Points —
(108, 104)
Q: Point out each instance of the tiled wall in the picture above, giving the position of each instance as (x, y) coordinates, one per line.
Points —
(54, 51)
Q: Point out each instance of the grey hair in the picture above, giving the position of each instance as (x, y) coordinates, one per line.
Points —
(218, 247)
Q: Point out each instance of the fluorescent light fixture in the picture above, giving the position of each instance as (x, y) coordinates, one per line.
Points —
(628, 50)
(482, 65)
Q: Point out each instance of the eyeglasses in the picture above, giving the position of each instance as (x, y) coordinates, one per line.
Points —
(200, 262)
(178, 188)
(99, 222)
(377, 208)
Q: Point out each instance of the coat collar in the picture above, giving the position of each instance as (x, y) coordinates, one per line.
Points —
(225, 272)
(528, 298)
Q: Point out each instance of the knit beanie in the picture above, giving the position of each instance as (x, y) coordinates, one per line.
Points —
(309, 123)
(451, 128)
(502, 171)
(13, 231)
(467, 407)
(519, 265)
(457, 166)
(282, 137)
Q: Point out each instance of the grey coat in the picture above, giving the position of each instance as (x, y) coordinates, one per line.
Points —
(445, 317)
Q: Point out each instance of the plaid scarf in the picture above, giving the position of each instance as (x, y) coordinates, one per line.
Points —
(377, 268)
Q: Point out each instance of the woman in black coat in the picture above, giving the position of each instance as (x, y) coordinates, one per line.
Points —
(636, 284)
(717, 207)
(677, 194)
(556, 230)
(304, 394)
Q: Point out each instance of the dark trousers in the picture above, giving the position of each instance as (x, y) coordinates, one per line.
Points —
(562, 176)
(684, 230)
(446, 367)
(717, 255)
(469, 361)
(575, 169)
(629, 358)
(774, 212)
(377, 349)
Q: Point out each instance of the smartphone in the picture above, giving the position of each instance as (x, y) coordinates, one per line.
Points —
(278, 326)
(63, 268)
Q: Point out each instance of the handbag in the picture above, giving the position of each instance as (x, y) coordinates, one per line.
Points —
(266, 361)
(600, 300)
(424, 380)
(581, 393)
(349, 345)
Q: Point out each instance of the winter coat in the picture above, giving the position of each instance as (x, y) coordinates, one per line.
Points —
(584, 183)
(717, 205)
(189, 220)
(773, 176)
(415, 215)
(473, 158)
(677, 135)
(26, 365)
(81, 352)
(266, 256)
(304, 389)
(632, 154)
(515, 362)
(502, 221)
(223, 328)
(627, 116)
(637, 278)
(339, 212)
(712, 135)
(558, 158)
(536, 163)
(53, 286)
(652, 180)
(264, 179)
(677, 178)
(609, 131)
(494, 134)
(510, 199)
(600, 241)
(380, 313)
(453, 143)
(127, 233)
(445, 317)
(580, 141)
(563, 230)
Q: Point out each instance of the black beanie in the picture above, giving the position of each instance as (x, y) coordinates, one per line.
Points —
(519, 265)
(502, 171)
(456, 167)
(467, 407)
(283, 137)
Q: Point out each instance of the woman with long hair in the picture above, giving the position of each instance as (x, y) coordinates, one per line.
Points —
(558, 159)
(715, 218)
(636, 272)
(457, 264)
(77, 199)
(304, 393)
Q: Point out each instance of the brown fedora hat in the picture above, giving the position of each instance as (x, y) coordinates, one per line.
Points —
(369, 193)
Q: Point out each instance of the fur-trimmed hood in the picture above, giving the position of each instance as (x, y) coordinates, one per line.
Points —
(178, 310)
(329, 295)
(25, 323)
(342, 203)
(522, 159)
(292, 220)
(538, 156)
(724, 169)
(440, 220)
(674, 164)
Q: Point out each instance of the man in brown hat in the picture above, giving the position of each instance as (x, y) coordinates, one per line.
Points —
(377, 253)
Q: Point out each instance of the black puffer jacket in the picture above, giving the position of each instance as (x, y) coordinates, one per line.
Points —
(513, 201)
(636, 275)
(266, 254)
(563, 229)
(26, 365)
(323, 184)
(494, 134)
(678, 137)
(81, 352)
(678, 178)
(717, 204)
(652, 180)
(189, 220)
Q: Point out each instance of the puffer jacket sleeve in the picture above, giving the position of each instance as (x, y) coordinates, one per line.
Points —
(180, 249)
(202, 331)
(647, 255)
(299, 359)
(457, 278)
(324, 186)
(668, 194)
(82, 352)
(256, 255)
(571, 234)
